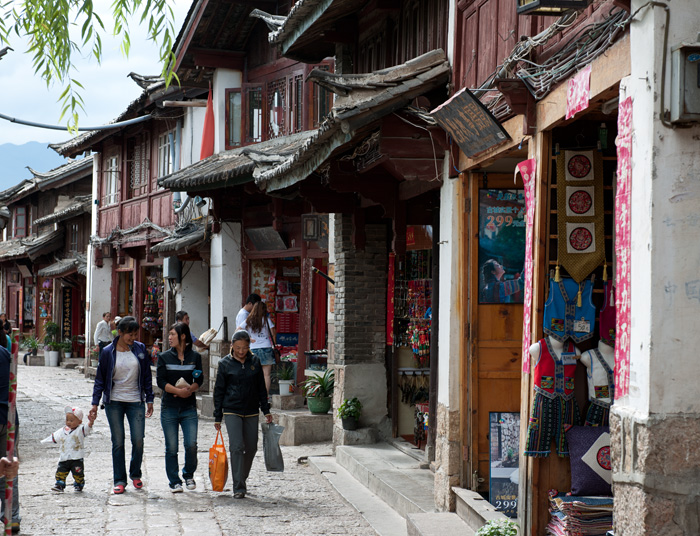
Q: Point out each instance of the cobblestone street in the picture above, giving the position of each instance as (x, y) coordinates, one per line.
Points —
(296, 502)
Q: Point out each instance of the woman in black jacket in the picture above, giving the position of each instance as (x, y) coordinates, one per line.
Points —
(239, 395)
(179, 375)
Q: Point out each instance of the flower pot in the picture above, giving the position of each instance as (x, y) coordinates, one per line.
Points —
(319, 405)
(68, 355)
(51, 358)
(93, 363)
(286, 387)
(349, 423)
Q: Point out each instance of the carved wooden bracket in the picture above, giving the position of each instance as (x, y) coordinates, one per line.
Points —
(520, 101)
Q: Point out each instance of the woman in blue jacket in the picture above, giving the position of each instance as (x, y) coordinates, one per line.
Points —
(123, 381)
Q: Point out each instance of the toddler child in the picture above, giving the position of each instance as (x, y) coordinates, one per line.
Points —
(70, 439)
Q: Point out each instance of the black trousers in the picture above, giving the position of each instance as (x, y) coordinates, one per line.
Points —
(76, 467)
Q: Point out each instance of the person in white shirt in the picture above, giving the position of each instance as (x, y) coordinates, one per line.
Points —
(182, 316)
(71, 440)
(246, 309)
(262, 338)
(103, 333)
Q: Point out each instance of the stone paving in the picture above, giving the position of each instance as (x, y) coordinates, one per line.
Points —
(296, 502)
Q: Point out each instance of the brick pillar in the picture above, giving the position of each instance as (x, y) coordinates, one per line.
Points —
(359, 333)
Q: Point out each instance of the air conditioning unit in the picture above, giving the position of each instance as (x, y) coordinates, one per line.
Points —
(172, 268)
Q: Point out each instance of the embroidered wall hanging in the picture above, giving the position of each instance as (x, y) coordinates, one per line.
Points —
(580, 217)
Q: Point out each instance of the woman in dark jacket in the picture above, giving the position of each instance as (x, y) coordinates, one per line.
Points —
(179, 375)
(124, 383)
(239, 395)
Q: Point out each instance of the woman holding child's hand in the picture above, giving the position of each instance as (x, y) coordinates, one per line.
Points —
(124, 383)
(179, 375)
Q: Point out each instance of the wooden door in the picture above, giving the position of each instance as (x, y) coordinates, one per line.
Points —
(494, 327)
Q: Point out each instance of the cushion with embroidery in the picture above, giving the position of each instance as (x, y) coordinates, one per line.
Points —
(589, 452)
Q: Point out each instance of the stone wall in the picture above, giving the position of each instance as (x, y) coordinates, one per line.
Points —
(656, 474)
(447, 457)
(359, 328)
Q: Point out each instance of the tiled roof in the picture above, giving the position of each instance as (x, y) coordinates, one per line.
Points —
(31, 247)
(189, 237)
(77, 263)
(81, 204)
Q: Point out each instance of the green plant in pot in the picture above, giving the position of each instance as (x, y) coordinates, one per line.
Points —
(499, 528)
(51, 337)
(31, 344)
(286, 371)
(349, 412)
(318, 390)
(67, 347)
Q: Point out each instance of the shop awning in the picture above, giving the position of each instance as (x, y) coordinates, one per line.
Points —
(234, 167)
(361, 100)
(63, 267)
(184, 240)
(471, 125)
(146, 230)
(80, 205)
(32, 247)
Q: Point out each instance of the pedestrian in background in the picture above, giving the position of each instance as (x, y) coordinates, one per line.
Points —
(262, 336)
(182, 316)
(5, 323)
(247, 308)
(124, 383)
(113, 325)
(6, 339)
(179, 375)
(239, 395)
(103, 333)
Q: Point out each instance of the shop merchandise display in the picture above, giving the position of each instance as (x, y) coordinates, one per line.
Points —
(579, 516)
(591, 468)
(569, 312)
(153, 304)
(554, 407)
(599, 363)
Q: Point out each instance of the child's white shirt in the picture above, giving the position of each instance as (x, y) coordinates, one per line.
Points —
(70, 442)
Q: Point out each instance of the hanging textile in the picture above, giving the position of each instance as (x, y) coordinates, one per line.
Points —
(528, 170)
(580, 215)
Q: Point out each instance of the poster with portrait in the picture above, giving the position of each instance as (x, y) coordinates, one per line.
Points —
(501, 245)
(504, 448)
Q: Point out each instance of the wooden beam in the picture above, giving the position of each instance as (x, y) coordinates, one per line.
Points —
(514, 128)
(196, 103)
(224, 59)
(189, 34)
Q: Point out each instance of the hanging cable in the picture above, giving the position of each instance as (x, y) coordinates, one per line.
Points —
(61, 127)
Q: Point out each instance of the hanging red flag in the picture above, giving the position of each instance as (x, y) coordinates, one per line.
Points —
(208, 131)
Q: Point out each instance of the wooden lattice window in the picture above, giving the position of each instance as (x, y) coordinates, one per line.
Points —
(276, 107)
(138, 164)
(322, 99)
(253, 105)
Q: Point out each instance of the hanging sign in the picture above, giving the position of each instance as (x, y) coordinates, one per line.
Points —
(391, 277)
(623, 237)
(469, 122)
(528, 169)
(579, 92)
(67, 312)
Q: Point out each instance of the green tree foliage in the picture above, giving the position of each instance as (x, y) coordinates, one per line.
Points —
(57, 30)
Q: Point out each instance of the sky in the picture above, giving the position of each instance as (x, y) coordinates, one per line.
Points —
(107, 93)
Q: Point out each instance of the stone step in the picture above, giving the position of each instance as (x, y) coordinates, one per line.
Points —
(396, 478)
(302, 427)
(474, 509)
(72, 362)
(437, 524)
(383, 519)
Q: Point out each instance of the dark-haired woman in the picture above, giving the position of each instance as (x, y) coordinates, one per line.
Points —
(495, 289)
(179, 375)
(239, 395)
(124, 383)
(262, 338)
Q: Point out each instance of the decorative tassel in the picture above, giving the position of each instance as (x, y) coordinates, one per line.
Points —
(605, 271)
(557, 276)
(579, 301)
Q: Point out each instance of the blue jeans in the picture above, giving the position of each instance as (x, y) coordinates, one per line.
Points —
(187, 419)
(135, 413)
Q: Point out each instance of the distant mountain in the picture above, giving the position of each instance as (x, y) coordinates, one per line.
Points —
(14, 160)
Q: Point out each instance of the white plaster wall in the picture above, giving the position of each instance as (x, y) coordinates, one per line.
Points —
(449, 330)
(223, 79)
(192, 128)
(92, 317)
(665, 226)
(451, 26)
(226, 276)
(100, 292)
(194, 296)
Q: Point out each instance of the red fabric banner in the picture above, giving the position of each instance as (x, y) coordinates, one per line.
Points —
(390, 300)
(579, 92)
(528, 170)
(623, 237)
(208, 131)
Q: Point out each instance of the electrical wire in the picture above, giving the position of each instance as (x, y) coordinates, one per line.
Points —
(62, 127)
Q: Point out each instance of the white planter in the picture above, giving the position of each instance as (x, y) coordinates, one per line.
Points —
(51, 358)
(69, 355)
(286, 387)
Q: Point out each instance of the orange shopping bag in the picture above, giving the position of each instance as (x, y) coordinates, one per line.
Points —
(218, 463)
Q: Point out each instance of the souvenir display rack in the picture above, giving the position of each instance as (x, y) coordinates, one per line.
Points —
(152, 320)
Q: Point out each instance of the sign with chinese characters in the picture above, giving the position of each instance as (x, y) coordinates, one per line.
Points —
(579, 92)
(469, 122)
(528, 169)
(501, 245)
(623, 235)
(504, 441)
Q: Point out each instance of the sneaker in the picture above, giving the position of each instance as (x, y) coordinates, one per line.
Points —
(78, 487)
(58, 486)
(190, 483)
(239, 495)
(15, 527)
(177, 488)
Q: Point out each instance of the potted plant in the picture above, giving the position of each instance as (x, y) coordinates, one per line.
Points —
(31, 344)
(499, 528)
(318, 390)
(349, 413)
(52, 344)
(286, 378)
(94, 355)
(67, 348)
